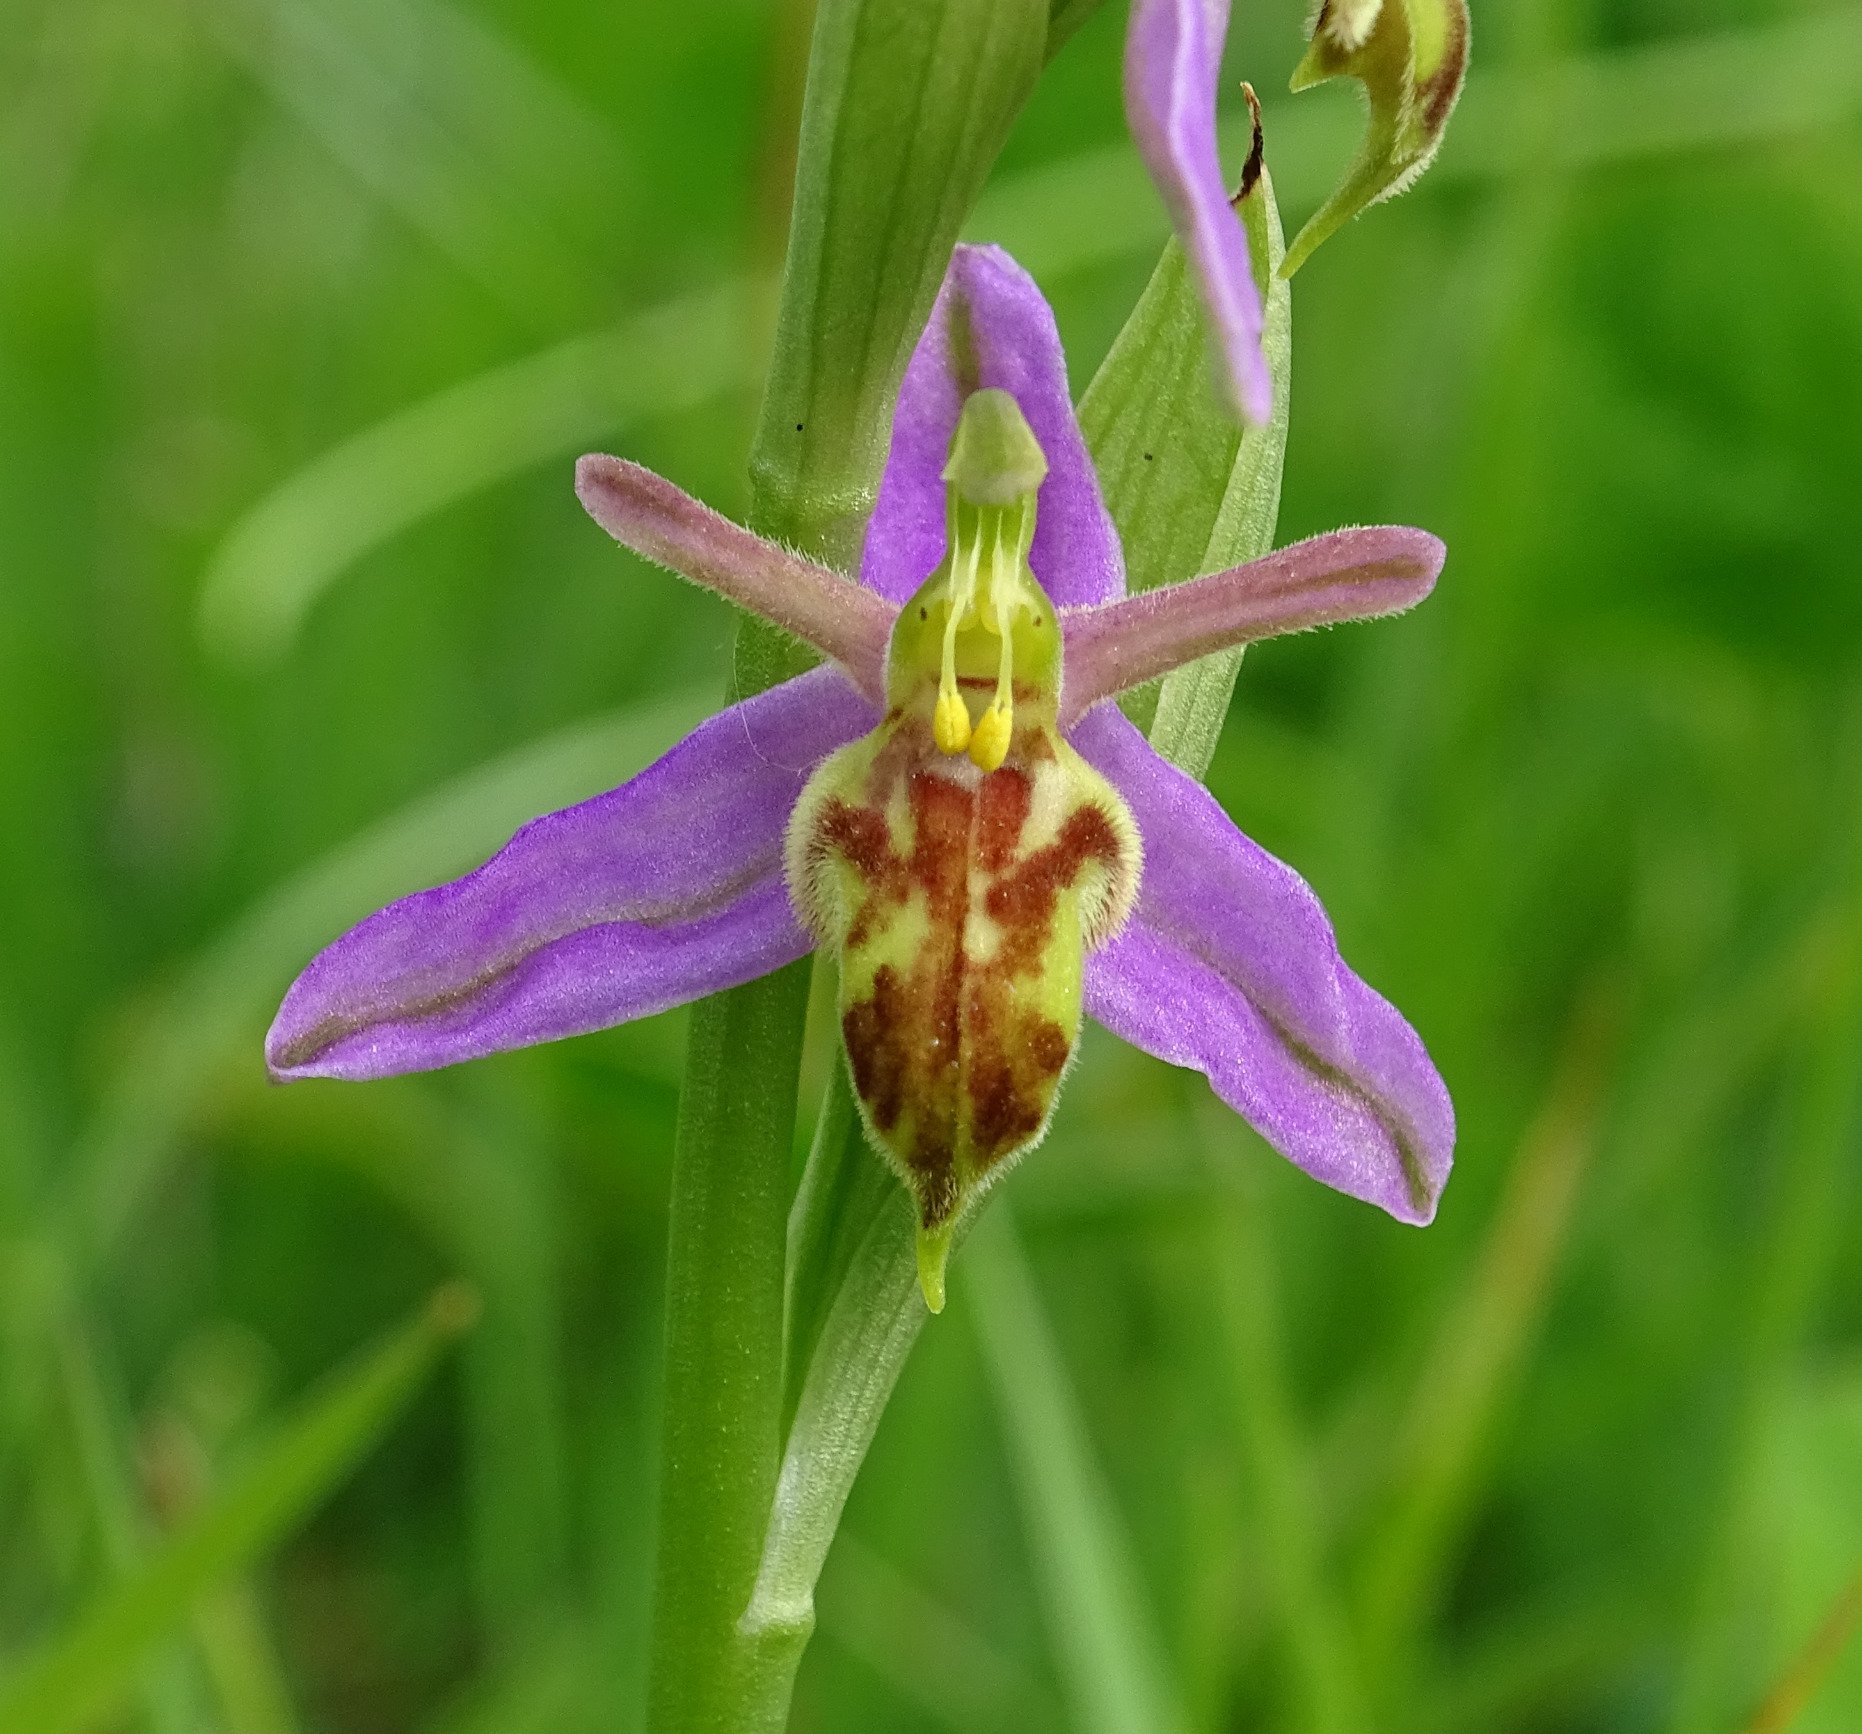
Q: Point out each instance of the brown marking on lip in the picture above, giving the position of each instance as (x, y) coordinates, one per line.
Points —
(1003, 801)
(905, 1041)
(1022, 691)
(1020, 1052)
(861, 836)
(1022, 902)
(954, 1059)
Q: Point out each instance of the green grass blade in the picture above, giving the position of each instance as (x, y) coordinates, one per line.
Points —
(1797, 1248)
(446, 123)
(79, 1674)
(1110, 1661)
(930, 1656)
(223, 999)
(1792, 1696)
(242, 1663)
(1485, 1337)
(289, 548)
(1314, 1631)
(98, 1419)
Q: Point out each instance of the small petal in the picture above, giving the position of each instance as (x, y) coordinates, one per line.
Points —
(663, 890)
(1230, 966)
(1173, 58)
(990, 327)
(1346, 575)
(658, 521)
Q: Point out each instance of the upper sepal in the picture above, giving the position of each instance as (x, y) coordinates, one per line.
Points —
(991, 327)
(1411, 57)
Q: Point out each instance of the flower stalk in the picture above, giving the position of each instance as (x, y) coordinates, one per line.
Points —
(855, 290)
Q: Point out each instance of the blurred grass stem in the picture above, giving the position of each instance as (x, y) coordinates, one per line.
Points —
(1485, 1339)
(1819, 1124)
(1106, 1652)
(75, 1678)
(1314, 1631)
(1792, 1696)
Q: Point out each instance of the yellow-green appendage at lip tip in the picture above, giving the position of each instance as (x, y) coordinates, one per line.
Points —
(933, 1255)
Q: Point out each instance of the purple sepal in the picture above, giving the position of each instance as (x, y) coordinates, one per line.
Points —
(661, 891)
(1173, 58)
(990, 326)
(1229, 965)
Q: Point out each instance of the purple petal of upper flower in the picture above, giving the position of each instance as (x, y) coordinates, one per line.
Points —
(1230, 965)
(1173, 57)
(990, 326)
(661, 891)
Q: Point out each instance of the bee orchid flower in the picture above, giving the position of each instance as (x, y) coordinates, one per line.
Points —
(952, 805)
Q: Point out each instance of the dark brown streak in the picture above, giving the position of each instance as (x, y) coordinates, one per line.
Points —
(1413, 1176)
(1251, 169)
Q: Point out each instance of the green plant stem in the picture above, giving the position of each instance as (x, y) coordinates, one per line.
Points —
(853, 1312)
(907, 105)
(723, 1382)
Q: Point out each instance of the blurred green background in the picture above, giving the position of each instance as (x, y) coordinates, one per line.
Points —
(306, 306)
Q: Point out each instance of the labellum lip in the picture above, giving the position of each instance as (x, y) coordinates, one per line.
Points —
(960, 868)
(961, 906)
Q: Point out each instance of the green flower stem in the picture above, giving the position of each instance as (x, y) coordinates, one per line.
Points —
(907, 105)
(864, 1283)
(723, 1401)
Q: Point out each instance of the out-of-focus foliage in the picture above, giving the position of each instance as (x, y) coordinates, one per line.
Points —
(1580, 1456)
